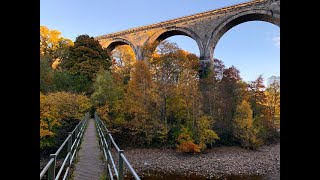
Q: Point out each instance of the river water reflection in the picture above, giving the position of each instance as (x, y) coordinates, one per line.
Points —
(152, 175)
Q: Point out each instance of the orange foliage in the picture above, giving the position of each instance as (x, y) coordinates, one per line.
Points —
(188, 147)
(185, 142)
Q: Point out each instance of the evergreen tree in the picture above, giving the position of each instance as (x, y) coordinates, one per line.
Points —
(86, 57)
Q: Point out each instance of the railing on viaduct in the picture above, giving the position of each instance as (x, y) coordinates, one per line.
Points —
(73, 141)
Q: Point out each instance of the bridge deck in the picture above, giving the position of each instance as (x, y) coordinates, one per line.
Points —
(90, 165)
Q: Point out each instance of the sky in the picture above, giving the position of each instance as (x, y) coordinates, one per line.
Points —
(252, 47)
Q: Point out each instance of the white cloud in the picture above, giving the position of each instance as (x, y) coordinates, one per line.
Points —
(276, 41)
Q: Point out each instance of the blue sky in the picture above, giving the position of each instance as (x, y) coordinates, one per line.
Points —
(252, 47)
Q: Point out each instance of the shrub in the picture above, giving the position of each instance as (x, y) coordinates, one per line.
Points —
(185, 142)
(188, 147)
(56, 108)
(205, 134)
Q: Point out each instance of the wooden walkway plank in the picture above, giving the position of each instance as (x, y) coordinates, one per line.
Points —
(90, 165)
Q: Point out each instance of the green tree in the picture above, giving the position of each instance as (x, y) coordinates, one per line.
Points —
(66, 81)
(243, 126)
(105, 90)
(205, 134)
(86, 57)
(46, 75)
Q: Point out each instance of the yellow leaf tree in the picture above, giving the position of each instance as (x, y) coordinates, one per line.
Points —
(123, 60)
(56, 108)
(53, 45)
(140, 104)
(243, 126)
(273, 100)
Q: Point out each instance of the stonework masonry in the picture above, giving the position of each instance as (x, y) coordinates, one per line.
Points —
(205, 28)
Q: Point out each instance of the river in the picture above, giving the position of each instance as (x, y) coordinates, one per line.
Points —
(154, 175)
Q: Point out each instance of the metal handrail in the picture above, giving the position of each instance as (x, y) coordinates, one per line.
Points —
(44, 170)
(135, 175)
(107, 153)
(73, 146)
(106, 141)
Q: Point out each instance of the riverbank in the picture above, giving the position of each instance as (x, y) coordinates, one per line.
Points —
(214, 162)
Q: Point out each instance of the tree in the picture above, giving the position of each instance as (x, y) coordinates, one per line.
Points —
(46, 75)
(273, 100)
(86, 57)
(56, 80)
(140, 103)
(53, 45)
(205, 134)
(108, 100)
(49, 120)
(229, 99)
(258, 97)
(55, 110)
(66, 81)
(189, 98)
(167, 64)
(105, 90)
(123, 60)
(243, 126)
(210, 89)
(262, 111)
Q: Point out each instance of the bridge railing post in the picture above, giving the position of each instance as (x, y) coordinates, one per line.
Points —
(69, 152)
(120, 170)
(52, 168)
(69, 149)
(102, 137)
(109, 145)
(108, 135)
(76, 131)
(81, 123)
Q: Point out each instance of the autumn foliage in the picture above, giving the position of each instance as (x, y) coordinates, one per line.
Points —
(159, 102)
(55, 108)
(188, 147)
(185, 142)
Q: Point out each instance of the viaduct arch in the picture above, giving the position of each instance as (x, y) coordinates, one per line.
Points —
(205, 28)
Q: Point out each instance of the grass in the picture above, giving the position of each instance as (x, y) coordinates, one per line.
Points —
(103, 176)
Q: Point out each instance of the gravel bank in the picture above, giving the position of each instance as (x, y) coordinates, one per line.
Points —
(214, 162)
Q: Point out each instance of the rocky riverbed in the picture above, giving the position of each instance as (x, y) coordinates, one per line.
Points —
(215, 162)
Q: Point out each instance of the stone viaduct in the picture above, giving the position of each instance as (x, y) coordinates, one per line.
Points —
(205, 28)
